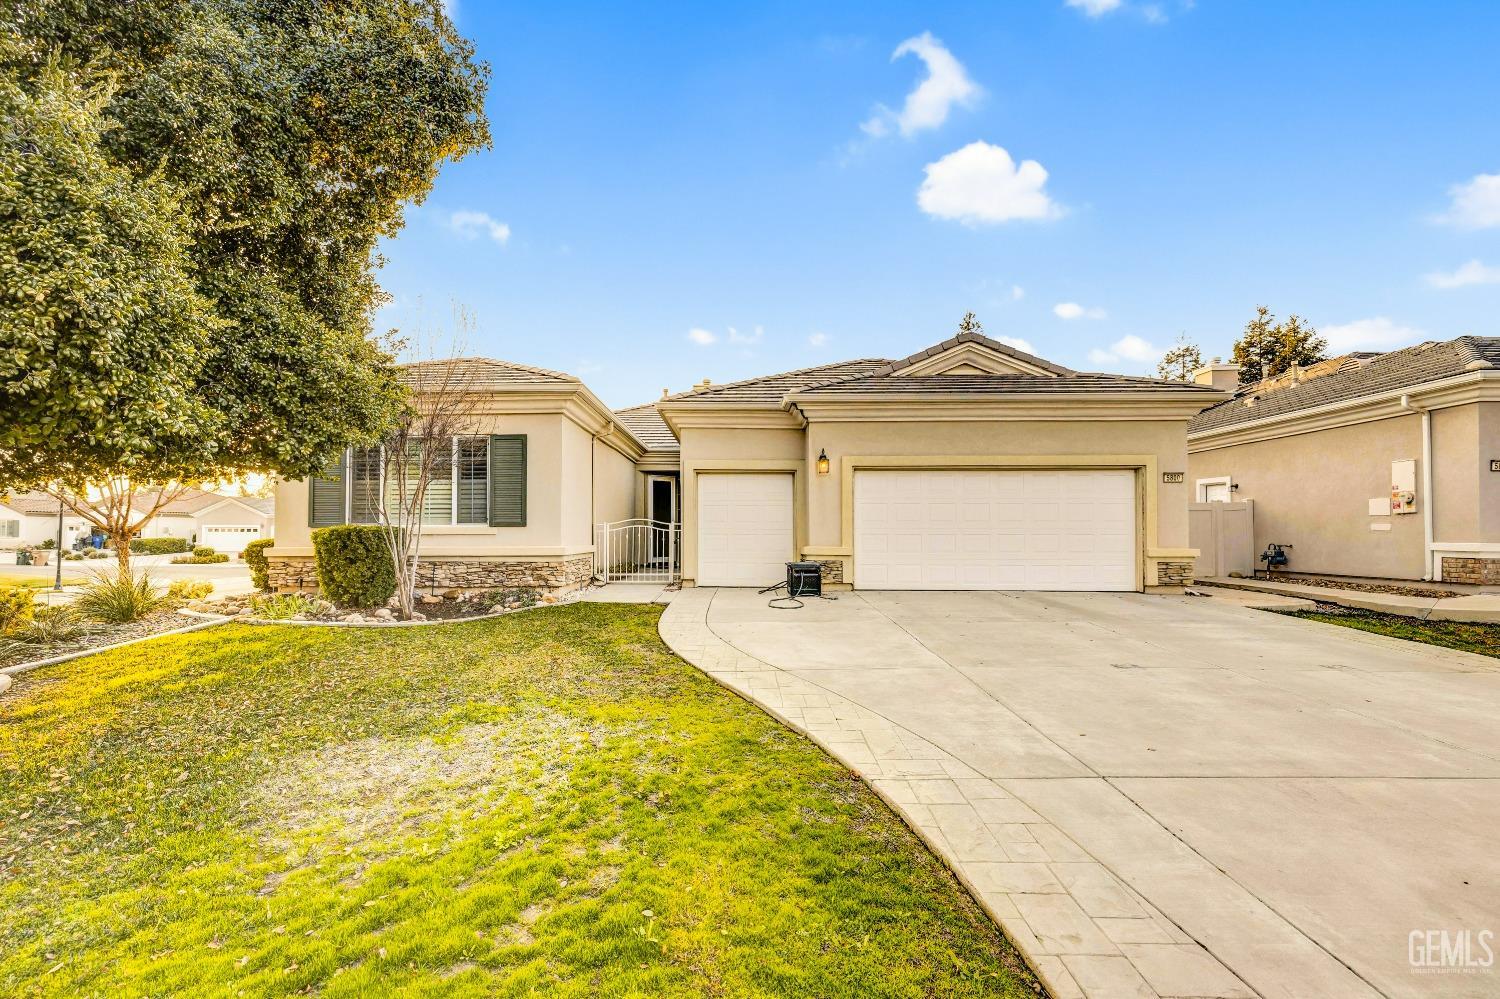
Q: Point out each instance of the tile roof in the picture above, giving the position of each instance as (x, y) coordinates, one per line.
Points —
(1077, 381)
(478, 373)
(30, 502)
(981, 339)
(771, 388)
(186, 505)
(648, 426)
(1359, 375)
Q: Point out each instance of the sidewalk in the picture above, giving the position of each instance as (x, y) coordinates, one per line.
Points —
(1482, 608)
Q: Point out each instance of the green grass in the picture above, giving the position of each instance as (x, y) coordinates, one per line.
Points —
(1481, 638)
(36, 582)
(547, 804)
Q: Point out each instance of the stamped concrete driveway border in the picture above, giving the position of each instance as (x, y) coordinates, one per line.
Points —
(1084, 931)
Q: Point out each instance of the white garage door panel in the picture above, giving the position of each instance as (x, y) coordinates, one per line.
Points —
(995, 530)
(744, 529)
(229, 540)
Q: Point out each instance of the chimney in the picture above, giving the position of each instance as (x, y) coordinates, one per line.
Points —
(1224, 377)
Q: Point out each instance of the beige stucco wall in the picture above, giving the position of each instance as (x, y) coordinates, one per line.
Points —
(819, 513)
(617, 486)
(1487, 420)
(1313, 491)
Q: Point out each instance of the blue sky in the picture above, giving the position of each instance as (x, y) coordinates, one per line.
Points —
(688, 191)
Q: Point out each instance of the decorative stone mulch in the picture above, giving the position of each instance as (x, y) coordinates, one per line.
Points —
(97, 636)
(1395, 589)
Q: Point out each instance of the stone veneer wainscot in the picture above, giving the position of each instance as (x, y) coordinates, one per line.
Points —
(292, 573)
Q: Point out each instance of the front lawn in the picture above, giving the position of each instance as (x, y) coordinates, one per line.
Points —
(1481, 638)
(544, 804)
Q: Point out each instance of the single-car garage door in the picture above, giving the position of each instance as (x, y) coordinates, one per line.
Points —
(995, 530)
(744, 528)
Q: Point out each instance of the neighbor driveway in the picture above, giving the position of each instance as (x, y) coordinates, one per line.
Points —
(1156, 795)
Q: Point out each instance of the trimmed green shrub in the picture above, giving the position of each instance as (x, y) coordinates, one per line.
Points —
(189, 589)
(117, 597)
(255, 557)
(48, 544)
(196, 559)
(203, 550)
(158, 546)
(17, 604)
(354, 565)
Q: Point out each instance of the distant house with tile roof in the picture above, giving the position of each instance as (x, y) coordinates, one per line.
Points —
(226, 523)
(1384, 465)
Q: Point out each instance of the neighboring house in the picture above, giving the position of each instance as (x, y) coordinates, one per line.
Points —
(1384, 465)
(969, 465)
(226, 523)
(30, 518)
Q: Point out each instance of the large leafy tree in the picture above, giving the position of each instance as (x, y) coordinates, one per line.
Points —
(1268, 348)
(192, 193)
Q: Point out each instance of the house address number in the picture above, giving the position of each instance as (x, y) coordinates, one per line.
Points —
(1171, 476)
(1495, 464)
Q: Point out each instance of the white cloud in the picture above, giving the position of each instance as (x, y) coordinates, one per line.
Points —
(701, 337)
(1018, 343)
(1127, 348)
(1472, 272)
(470, 225)
(927, 106)
(981, 184)
(1095, 8)
(1017, 293)
(735, 336)
(1476, 205)
(817, 340)
(1072, 310)
(1377, 333)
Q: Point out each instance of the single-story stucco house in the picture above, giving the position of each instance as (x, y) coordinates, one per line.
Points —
(968, 465)
(1382, 465)
(226, 523)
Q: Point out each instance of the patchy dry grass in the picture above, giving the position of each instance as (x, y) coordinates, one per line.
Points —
(1464, 636)
(543, 804)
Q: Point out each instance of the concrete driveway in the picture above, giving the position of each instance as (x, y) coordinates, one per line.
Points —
(1158, 795)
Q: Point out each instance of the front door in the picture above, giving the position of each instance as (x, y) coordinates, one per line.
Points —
(661, 510)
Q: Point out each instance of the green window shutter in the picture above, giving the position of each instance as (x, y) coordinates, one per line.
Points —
(327, 495)
(507, 480)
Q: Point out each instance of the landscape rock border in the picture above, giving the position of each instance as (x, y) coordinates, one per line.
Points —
(210, 620)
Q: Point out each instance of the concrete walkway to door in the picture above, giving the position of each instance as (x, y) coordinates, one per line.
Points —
(1171, 796)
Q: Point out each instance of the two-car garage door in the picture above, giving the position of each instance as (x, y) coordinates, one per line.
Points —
(995, 530)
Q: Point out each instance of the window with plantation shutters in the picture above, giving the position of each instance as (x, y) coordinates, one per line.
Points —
(364, 485)
(507, 480)
(471, 480)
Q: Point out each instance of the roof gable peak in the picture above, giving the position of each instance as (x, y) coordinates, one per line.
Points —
(971, 353)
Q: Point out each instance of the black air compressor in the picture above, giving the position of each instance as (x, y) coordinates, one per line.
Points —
(804, 579)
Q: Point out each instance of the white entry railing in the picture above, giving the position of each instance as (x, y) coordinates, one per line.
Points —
(637, 551)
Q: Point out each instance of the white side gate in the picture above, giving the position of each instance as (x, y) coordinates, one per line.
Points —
(637, 551)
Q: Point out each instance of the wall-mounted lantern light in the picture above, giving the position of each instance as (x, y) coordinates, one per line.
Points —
(823, 461)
